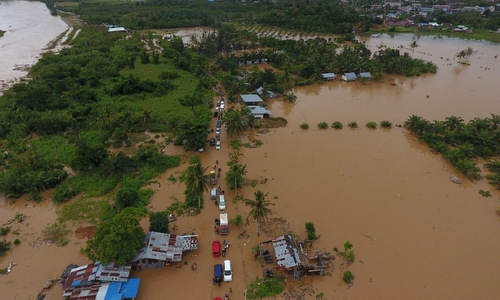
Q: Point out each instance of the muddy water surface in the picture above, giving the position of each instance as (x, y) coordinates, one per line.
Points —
(29, 29)
(416, 235)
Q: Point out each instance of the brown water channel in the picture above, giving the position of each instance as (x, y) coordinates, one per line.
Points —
(416, 235)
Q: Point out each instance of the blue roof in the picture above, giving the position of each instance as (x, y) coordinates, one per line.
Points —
(365, 75)
(131, 288)
(123, 290)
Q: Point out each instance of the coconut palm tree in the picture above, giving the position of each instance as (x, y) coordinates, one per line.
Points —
(259, 208)
(196, 179)
(414, 45)
(235, 122)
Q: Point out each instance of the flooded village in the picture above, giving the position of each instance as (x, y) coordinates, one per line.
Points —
(415, 233)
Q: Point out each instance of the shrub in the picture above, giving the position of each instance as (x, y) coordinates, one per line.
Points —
(4, 230)
(172, 178)
(56, 233)
(64, 192)
(237, 220)
(348, 277)
(322, 125)
(386, 124)
(371, 125)
(311, 231)
(304, 126)
(264, 288)
(4, 247)
(353, 124)
(337, 125)
(17, 241)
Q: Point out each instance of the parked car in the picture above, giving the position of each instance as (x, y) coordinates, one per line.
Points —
(218, 273)
(212, 142)
(222, 202)
(217, 145)
(217, 130)
(216, 248)
(219, 123)
(216, 114)
(228, 272)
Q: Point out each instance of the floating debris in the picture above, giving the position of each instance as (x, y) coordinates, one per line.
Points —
(455, 179)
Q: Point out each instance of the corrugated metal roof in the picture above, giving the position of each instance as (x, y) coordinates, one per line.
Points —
(286, 255)
(251, 98)
(112, 272)
(259, 110)
(165, 247)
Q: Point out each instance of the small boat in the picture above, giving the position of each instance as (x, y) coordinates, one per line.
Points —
(455, 179)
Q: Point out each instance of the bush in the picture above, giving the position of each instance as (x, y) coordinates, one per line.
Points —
(4, 247)
(322, 125)
(371, 125)
(386, 124)
(64, 192)
(237, 220)
(311, 231)
(348, 277)
(264, 288)
(56, 233)
(17, 241)
(337, 125)
(4, 230)
(353, 124)
(304, 126)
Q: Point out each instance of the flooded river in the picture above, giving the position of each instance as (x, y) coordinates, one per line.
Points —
(29, 28)
(416, 234)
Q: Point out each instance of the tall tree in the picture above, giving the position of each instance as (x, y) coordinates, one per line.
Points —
(118, 239)
(259, 208)
(158, 221)
(196, 179)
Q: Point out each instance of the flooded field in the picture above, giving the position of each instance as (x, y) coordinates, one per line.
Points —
(416, 234)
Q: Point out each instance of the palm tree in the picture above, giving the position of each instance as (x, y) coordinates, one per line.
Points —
(235, 122)
(414, 45)
(197, 180)
(454, 123)
(259, 208)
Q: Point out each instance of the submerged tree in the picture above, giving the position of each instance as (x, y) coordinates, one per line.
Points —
(196, 180)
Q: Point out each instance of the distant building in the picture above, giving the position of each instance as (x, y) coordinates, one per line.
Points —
(97, 282)
(349, 76)
(328, 76)
(117, 29)
(161, 249)
(365, 75)
(251, 99)
(259, 112)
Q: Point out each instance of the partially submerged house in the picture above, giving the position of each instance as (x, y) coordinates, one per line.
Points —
(365, 75)
(269, 94)
(98, 282)
(160, 249)
(328, 76)
(251, 99)
(259, 112)
(349, 76)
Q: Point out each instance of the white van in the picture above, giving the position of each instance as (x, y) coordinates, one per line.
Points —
(213, 193)
(228, 273)
(222, 202)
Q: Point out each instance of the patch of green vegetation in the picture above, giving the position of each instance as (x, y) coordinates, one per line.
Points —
(304, 126)
(263, 288)
(337, 125)
(348, 277)
(56, 233)
(172, 178)
(235, 144)
(311, 231)
(83, 209)
(5, 230)
(323, 125)
(371, 125)
(353, 124)
(17, 242)
(386, 124)
(238, 220)
(484, 193)
(4, 247)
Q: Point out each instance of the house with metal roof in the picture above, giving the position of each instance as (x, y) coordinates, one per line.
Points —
(259, 112)
(97, 282)
(269, 94)
(160, 249)
(349, 76)
(329, 76)
(251, 99)
(286, 255)
(365, 75)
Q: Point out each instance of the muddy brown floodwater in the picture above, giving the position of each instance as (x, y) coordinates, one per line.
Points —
(416, 234)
